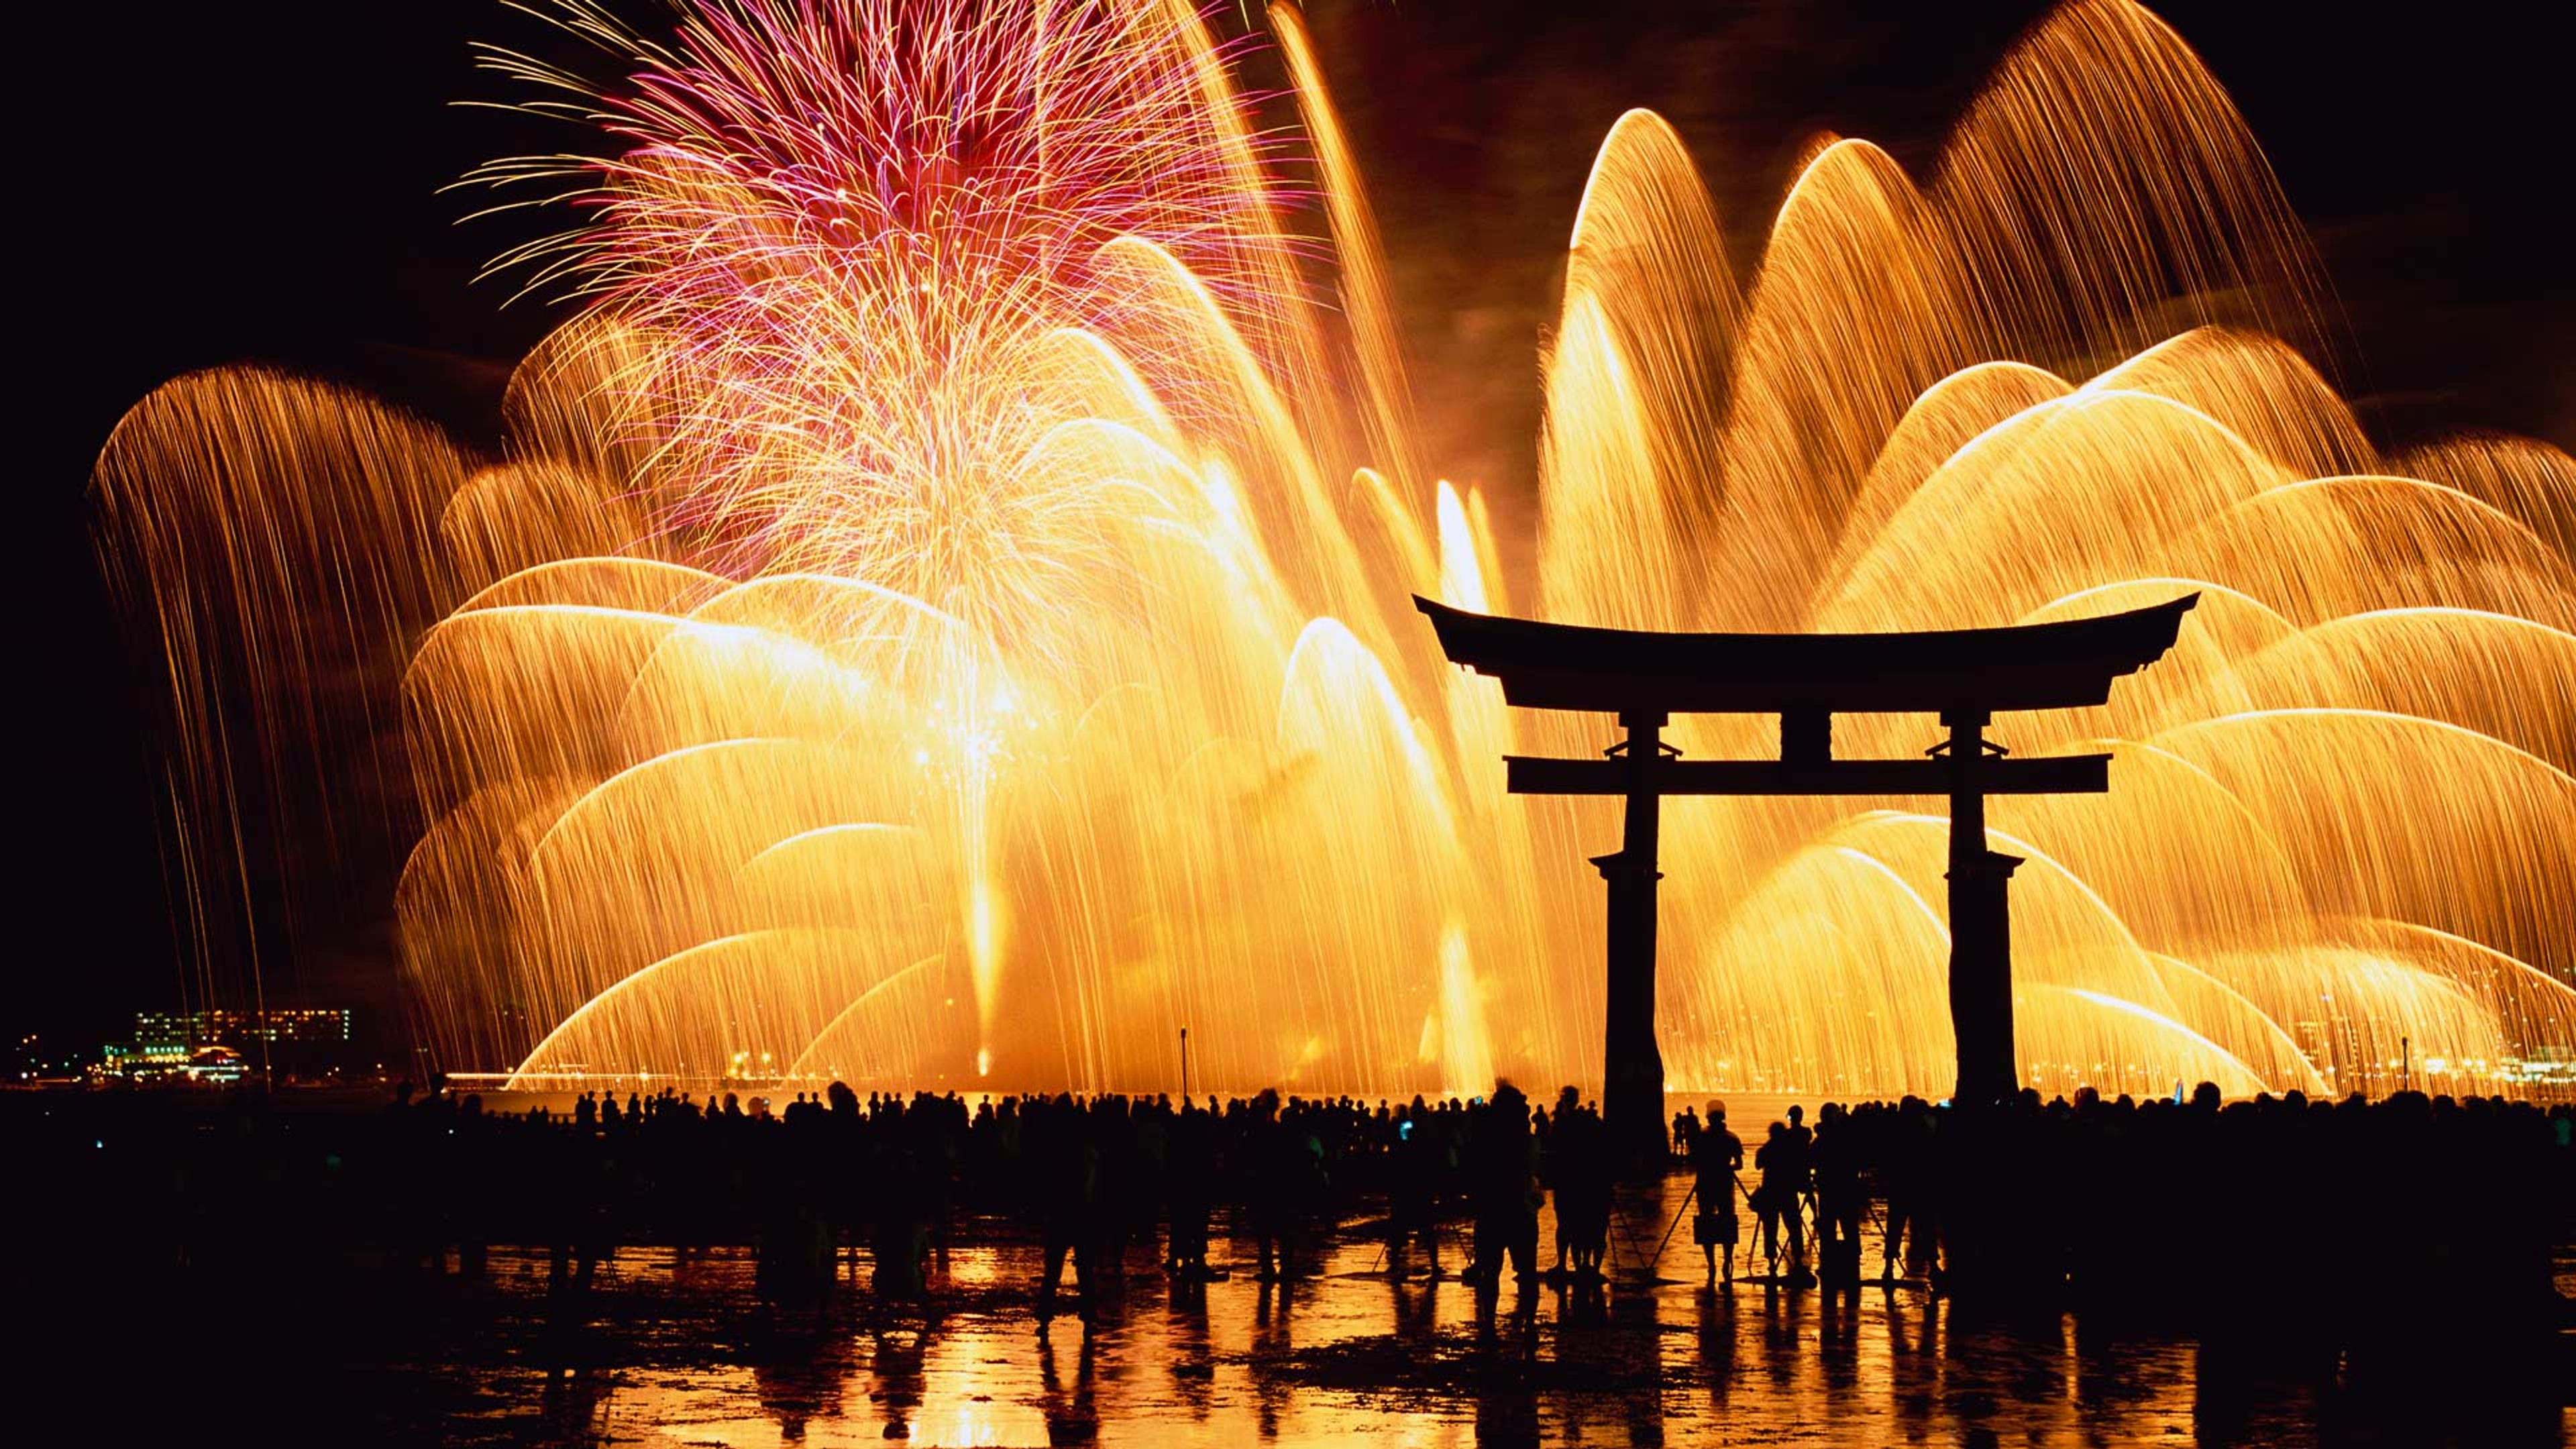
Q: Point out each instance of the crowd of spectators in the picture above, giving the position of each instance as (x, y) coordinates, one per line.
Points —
(2275, 1216)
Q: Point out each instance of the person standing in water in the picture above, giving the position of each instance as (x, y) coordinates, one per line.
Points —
(1782, 1200)
(1502, 1177)
(1716, 1157)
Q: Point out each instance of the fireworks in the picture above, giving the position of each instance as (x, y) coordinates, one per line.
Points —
(942, 610)
(852, 234)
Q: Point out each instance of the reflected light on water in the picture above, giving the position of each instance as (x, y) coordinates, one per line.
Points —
(1345, 1355)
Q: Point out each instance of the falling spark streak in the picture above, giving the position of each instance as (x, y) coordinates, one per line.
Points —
(917, 631)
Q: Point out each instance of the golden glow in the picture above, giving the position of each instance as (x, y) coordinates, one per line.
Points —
(942, 610)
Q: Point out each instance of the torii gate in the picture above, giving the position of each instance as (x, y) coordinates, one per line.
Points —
(1964, 676)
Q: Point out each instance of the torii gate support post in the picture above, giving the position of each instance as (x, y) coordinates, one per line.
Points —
(1981, 995)
(1986, 1218)
(1632, 1065)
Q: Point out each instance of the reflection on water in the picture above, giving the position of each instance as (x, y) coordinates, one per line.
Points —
(679, 1353)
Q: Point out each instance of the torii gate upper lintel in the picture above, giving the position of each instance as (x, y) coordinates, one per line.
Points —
(1964, 676)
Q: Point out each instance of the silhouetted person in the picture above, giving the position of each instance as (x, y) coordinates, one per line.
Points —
(1781, 1199)
(900, 1188)
(1288, 1182)
(1835, 1161)
(1805, 1138)
(1555, 1168)
(1583, 1178)
(1190, 1168)
(1417, 1164)
(1717, 1155)
(1066, 1186)
(1503, 1190)
(1905, 1169)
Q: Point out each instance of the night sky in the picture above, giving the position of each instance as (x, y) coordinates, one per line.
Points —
(221, 183)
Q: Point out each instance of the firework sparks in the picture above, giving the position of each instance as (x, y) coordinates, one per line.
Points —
(942, 610)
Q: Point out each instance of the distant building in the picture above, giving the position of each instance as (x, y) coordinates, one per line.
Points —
(219, 1027)
(172, 1062)
(217, 1044)
(2545, 1066)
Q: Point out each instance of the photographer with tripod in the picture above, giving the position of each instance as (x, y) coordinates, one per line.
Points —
(1716, 1155)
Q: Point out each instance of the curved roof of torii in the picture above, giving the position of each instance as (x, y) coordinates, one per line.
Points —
(2057, 665)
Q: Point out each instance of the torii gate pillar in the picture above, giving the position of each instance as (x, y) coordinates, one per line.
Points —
(1632, 1086)
(1981, 994)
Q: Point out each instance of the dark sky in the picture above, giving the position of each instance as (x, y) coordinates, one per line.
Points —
(205, 183)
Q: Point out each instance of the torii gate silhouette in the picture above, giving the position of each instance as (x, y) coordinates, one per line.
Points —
(1964, 676)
